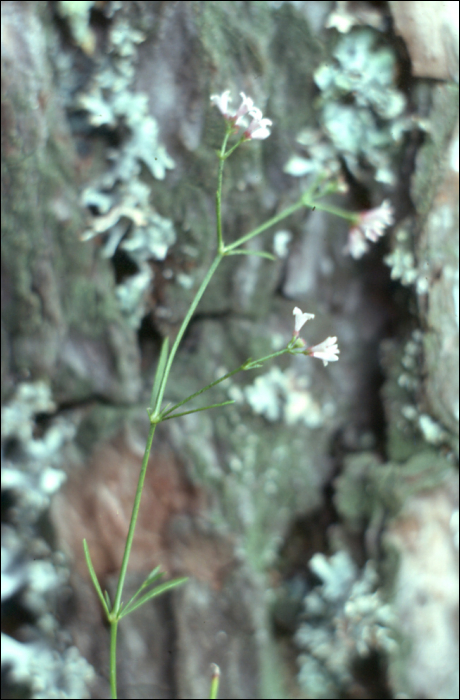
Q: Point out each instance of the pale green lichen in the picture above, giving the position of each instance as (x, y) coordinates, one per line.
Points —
(361, 111)
(345, 619)
(119, 198)
(77, 15)
(132, 296)
(402, 261)
(31, 474)
(319, 155)
(279, 395)
(410, 427)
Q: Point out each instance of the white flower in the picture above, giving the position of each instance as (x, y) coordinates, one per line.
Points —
(357, 244)
(374, 221)
(370, 226)
(221, 101)
(246, 106)
(258, 128)
(300, 320)
(327, 351)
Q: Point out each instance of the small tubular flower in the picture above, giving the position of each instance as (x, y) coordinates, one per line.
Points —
(327, 351)
(221, 102)
(246, 106)
(370, 226)
(300, 320)
(258, 126)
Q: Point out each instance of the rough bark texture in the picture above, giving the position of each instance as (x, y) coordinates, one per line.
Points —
(109, 106)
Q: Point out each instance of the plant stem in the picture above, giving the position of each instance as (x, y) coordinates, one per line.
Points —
(183, 327)
(220, 254)
(113, 658)
(132, 527)
(330, 209)
(271, 222)
(201, 391)
(220, 241)
(255, 363)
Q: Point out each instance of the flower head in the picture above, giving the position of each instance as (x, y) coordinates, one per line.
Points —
(300, 320)
(258, 126)
(246, 106)
(221, 101)
(370, 226)
(327, 351)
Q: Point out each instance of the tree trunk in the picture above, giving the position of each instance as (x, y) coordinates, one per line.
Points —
(307, 485)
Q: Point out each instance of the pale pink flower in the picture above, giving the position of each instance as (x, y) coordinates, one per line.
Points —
(258, 128)
(222, 102)
(327, 351)
(357, 244)
(300, 320)
(246, 106)
(370, 226)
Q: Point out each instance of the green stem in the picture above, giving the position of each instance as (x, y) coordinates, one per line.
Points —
(330, 209)
(113, 658)
(222, 157)
(271, 222)
(132, 527)
(233, 148)
(255, 363)
(197, 410)
(183, 327)
(201, 391)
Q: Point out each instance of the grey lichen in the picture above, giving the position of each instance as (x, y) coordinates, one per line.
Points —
(279, 395)
(361, 112)
(119, 198)
(402, 260)
(361, 107)
(77, 15)
(31, 474)
(345, 618)
(410, 426)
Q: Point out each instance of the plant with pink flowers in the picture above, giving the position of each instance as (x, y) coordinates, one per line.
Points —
(248, 124)
(257, 128)
(368, 226)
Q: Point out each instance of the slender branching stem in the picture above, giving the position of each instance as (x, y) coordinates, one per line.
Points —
(132, 526)
(271, 222)
(183, 328)
(163, 371)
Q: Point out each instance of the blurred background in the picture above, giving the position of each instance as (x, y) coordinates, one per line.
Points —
(317, 516)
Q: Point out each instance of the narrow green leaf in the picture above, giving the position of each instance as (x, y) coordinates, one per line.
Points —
(155, 574)
(196, 410)
(107, 600)
(151, 578)
(258, 253)
(159, 372)
(162, 588)
(92, 573)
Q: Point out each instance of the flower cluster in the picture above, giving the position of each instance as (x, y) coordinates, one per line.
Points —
(327, 351)
(257, 128)
(370, 225)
